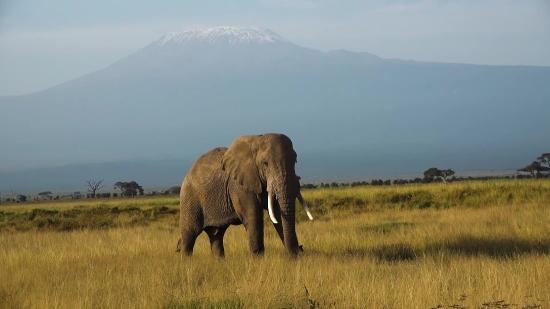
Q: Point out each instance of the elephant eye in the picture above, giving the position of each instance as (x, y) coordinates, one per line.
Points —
(264, 163)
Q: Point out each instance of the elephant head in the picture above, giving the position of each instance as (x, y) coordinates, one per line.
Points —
(264, 164)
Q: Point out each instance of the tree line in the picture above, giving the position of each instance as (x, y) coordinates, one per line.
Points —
(540, 168)
(127, 189)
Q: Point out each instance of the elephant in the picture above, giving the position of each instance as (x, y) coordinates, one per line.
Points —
(233, 186)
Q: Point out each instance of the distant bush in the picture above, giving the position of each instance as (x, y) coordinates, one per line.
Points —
(359, 183)
(174, 190)
(308, 186)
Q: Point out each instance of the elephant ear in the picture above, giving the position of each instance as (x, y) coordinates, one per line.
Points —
(238, 163)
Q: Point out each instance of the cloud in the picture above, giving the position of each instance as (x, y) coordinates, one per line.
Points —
(476, 18)
(407, 7)
(292, 4)
(130, 36)
(481, 31)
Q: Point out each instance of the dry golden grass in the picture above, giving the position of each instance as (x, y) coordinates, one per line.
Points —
(381, 255)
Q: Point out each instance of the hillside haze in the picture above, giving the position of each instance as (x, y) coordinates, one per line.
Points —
(347, 113)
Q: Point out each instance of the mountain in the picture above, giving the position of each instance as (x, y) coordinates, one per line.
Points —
(348, 112)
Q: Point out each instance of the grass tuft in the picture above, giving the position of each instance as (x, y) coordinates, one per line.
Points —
(386, 227)
(394, 252)
(204, 304)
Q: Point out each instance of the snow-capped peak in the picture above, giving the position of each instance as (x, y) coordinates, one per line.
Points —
(230, 35)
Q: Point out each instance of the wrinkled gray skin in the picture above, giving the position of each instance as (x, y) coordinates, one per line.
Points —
(229, 186)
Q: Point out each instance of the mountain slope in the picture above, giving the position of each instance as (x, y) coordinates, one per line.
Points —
(189, 92)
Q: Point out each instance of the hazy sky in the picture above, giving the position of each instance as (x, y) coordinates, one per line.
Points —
(47, 42)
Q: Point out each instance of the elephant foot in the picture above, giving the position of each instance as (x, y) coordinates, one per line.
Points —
(186, 243)
(296, 252)
(218, 255)
(258, 252)
(217, 250)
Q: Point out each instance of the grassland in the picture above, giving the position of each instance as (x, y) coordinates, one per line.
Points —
(467, 245)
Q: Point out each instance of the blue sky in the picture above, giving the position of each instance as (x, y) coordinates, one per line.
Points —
(47, 42)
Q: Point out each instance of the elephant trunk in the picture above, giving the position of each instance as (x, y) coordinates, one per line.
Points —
(286, 198)
(288, 218)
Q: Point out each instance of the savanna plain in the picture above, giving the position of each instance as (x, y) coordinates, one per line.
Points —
(475, 244)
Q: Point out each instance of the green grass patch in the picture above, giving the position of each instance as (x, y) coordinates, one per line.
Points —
(78, 218)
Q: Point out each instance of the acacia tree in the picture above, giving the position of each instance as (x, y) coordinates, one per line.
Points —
(174, 190)
(94, 186)
(134, 185)
(435, 172)
(432, 172)
(534, 168)
(45, 195)
(128, 188)
(118, 185)
(446, 173)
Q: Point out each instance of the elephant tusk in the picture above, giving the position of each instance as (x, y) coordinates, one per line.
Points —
(301, 199)
(270, 208)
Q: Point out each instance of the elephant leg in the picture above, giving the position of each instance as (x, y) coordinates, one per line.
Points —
(191, 219)
(215, 234)
(187, 241)
(255, 230)
(253, 221)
